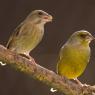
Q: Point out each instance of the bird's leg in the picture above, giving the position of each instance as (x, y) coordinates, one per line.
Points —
(28, 57)
(78, 82)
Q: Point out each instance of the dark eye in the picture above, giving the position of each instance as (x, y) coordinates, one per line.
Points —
(40, 13)
(83, 35)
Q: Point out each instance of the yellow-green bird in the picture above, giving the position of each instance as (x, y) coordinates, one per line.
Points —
(74, 55)
(29, 33)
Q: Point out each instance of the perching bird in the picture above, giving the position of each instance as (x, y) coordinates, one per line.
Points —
(74, 55)
(29, 33)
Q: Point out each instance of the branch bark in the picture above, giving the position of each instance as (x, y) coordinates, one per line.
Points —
(44, 75)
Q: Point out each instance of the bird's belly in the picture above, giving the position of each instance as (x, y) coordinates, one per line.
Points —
(71, 71)
(73, 65)
(27, 43)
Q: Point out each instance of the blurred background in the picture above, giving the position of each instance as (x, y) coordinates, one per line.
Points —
(69, 16)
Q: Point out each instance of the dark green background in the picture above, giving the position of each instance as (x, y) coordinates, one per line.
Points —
(69, 16)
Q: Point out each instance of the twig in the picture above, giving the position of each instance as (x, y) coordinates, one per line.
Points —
(44, 75)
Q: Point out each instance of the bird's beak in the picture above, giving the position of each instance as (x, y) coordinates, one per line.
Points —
(48, 18)
(92, 37)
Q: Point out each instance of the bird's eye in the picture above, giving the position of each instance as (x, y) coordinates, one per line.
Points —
(40, 13)
(83, 35)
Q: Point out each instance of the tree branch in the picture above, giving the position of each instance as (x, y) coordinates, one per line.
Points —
(44, 75)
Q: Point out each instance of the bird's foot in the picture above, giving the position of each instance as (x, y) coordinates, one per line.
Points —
(85, 85)
(81, 84)
(29, 58)
(78, 82)
(32, 59)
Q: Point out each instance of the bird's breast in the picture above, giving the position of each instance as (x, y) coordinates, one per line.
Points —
(34, 37)
(73, 61)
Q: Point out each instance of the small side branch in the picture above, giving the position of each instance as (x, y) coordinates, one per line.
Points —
(44, 75)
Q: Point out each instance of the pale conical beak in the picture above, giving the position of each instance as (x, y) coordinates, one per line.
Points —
(48, 18)
(92, 37)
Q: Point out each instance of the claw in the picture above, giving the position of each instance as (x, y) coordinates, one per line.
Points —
(78, 82)
(28, 57)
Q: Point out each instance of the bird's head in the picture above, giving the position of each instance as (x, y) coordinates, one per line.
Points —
(81, 37)
(39, 17)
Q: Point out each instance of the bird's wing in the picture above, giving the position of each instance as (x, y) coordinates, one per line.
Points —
(14, 34)
(59, 59)
(61, 53)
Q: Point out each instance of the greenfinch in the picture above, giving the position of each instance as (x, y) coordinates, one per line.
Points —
(74, 55)
(29, 33)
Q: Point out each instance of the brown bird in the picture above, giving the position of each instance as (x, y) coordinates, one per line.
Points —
(29, 33)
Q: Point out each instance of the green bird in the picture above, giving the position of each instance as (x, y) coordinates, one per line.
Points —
(29, 33)
(74, 55)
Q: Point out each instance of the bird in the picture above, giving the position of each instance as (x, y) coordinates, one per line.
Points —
(29, 33)
(74, 56)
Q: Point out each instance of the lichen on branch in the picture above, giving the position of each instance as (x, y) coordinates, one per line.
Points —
(44, 75)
